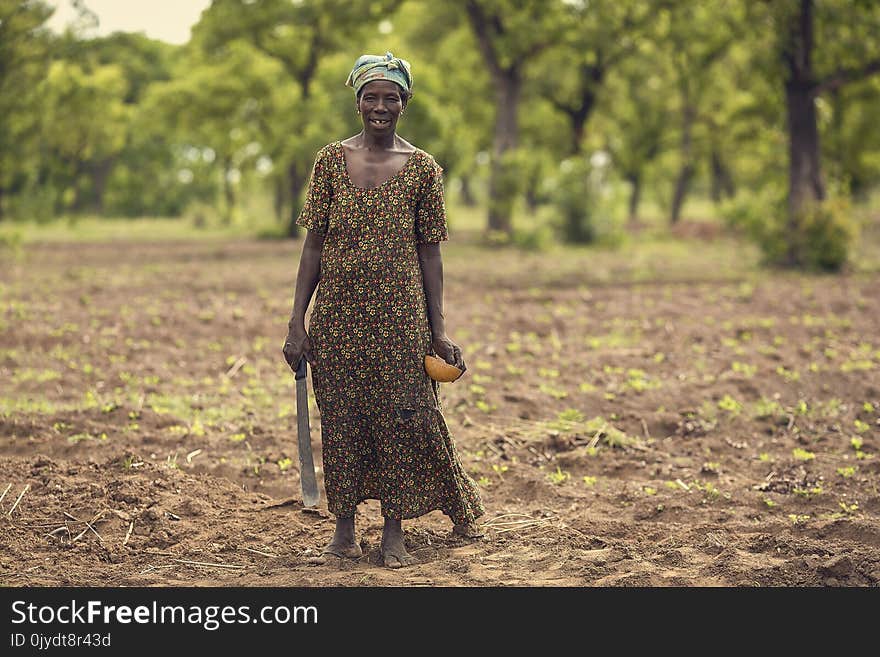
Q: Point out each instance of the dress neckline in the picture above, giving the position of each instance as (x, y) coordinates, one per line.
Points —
(384, 182)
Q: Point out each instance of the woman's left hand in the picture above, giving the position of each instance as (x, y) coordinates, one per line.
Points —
(448, 351)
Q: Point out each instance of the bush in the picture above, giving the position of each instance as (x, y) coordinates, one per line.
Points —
(35, 203)
(537, 239)
(822, 237)
(828, 232)
(583, 216)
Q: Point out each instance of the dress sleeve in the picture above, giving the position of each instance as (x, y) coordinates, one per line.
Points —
(430, 224)
(316, 210)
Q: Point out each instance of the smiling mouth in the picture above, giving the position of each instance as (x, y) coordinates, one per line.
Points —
(380, 122)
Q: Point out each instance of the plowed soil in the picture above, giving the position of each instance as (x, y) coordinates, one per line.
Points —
(629, 422)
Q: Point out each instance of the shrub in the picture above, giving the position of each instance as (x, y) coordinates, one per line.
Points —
(577, 194)
(823, 232)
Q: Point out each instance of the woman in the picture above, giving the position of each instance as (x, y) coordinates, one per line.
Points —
(375, 218)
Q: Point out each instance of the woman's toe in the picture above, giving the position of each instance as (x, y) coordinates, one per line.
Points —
(392, 561)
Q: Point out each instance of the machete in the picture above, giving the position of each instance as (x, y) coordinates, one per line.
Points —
(304, 439)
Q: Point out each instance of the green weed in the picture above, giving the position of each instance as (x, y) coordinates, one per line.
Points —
(559, 477)
(800, 454)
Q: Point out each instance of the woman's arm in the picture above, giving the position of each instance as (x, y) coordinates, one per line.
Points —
(432, 276)
(298, 343)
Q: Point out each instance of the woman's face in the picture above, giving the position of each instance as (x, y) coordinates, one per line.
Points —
(380, 105)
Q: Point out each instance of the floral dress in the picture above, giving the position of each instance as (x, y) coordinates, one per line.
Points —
(383, 432)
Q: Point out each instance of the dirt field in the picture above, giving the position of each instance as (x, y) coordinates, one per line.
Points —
(630, 422)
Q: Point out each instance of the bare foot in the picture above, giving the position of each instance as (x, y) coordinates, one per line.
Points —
(393, 549)
(468, 530)
(342, 545)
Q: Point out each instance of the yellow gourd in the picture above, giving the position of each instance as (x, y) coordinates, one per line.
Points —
(441, 371)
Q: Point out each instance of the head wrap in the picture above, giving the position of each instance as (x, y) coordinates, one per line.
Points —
(378, 67)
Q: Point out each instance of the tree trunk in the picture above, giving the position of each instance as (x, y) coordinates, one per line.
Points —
(804, 169)
(228, 191)
(278, 199)
(296, 181)
(682, 184)
(579, 126)
(805, 174)
(721, 182)
(100, 174)
(502, 180)
(467, 192)
(635, 196)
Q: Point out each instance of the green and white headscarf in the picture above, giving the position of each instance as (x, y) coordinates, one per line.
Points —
(378, 67)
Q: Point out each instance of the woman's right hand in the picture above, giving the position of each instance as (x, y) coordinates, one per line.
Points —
(297, 345)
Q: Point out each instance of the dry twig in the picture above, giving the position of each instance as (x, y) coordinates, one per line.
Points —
(232, 371)
(20, 495)
(265, 554)
(6, 490)
(209, 565)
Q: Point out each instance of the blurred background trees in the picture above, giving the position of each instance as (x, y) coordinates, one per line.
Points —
(582, 115)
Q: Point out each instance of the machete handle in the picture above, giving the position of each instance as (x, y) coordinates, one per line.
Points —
(301, 369)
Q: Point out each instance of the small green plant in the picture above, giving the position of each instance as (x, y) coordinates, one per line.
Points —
(589, 481)
(284, 464)
(556, 393)
(729, 404)
(856, 443)
(790, 376)
(801, 454)
(849, 509)
(570, 415)
(708, 488)
(861, 427)
(484, 406)
(748, 371)
(808, 492)
(559, 477)
(847, 471)
(768, 502)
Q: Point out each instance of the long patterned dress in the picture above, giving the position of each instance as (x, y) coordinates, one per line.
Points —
(383, 432)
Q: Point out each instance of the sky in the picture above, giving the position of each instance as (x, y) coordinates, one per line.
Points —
(168, 20)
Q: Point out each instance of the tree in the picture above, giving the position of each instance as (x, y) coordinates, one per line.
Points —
(220, 105)
(699, 36)
(24, 57)
(638, 119)
(84, 125)
(510, 34)
(596, 37)
(300, 36)
(849, 23)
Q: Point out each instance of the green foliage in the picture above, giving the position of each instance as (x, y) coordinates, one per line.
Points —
(824, 234)
(801, 454)
(576, 193)
(559, 477)
(819, 238)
